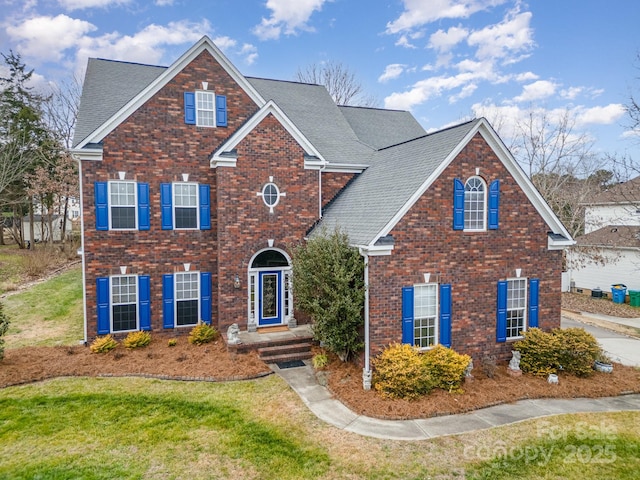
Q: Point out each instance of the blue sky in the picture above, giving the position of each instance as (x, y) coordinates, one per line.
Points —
(445, 60)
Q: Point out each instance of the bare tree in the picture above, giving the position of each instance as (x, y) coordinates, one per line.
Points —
(341, 83)
(61, 109)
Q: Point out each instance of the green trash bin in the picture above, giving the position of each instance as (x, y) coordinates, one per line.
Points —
(634, 298)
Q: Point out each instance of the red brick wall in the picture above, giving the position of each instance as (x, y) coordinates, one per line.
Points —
(472, 262)
(332, 183)
(245, 223)
(154, 145)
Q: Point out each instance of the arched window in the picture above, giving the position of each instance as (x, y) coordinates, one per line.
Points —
(475, 204)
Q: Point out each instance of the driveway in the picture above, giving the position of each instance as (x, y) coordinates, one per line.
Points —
(621, 348)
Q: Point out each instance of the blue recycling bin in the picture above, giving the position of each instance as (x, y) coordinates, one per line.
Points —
(618, 292)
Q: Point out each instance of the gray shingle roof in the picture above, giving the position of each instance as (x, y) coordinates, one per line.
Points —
(108, 86)
(373, 199)
(313, 111)
(614, 236)
(381, 128)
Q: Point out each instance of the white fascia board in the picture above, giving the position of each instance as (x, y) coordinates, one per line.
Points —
(559, 244)
(269, 108)
(375, 250)
(91, 154)
(136, 102)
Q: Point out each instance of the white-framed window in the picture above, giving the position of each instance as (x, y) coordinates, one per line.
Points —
(185, 205)
(124, 303)
(475, 204)
(122, 205)
(205, 109)
(187, 298)
(270, 195)
(516, 307)
(425, 315)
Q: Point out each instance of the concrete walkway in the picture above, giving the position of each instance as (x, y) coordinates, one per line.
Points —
(327, 408)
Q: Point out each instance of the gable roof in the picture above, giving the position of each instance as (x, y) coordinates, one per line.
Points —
(612, 236)
(380, 196)
(625, 192)
(205, 44)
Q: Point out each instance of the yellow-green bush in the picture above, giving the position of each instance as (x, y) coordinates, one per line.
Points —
(572, 350)
(103, 344)
(137, 339)
(320, 360)
(172, 342)
(202, 333)
(578, 350)
(539, 352)
(400, 373)
(445, 367)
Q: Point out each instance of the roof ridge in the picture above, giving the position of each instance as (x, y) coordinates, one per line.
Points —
(127, 62)
(429, 134)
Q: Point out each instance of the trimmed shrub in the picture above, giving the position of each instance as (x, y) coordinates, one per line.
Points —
(4, 326)
(202, 333)
(539, 352)
(103, 344)
(400, 373)
(172, 342)
(137, 339)
(578, 350)
(571, 350)
(445, 367)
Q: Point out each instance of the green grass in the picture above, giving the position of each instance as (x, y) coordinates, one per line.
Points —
(95, 428)
(11, 266)
(49, 313)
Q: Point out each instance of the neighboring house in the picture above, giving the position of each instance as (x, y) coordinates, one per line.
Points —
(197, 181)
(41, 228)
(609, 251)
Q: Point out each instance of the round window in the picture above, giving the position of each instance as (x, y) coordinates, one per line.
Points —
(270, 194)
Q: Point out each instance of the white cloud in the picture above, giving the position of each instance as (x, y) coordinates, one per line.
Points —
(420, 12)
(426, 89)
(466, 92)
(46, 38)
(537, 91)
(82, 4)
(164, 3)
(525, 77)
(601, 115)
(391, 72)
(512, 36)
(145, 46)
(288, 17)
(444, 41)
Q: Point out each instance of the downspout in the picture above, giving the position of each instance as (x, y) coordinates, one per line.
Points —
(366, 371)
(81, 250)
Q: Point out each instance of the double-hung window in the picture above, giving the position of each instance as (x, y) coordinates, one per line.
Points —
(122, 202)
(123, 303)
(426, 315)
(474, 204)
(425, 311)
(517, 307)
(187, 298)
(122, 205)
(205, 109)
(185, 206)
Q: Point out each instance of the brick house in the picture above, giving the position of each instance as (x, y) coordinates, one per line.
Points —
(196, 181)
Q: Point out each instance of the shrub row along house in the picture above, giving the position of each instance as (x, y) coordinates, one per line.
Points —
(197, 182)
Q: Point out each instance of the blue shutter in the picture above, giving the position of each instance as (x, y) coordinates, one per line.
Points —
(144, 302)
(494, 204)
(221, 110)
(407, 315)
(101, 194)
(205, 297)
(167, 301)
(501, 314)
(190, 108)
(205, 207)
(143, 207)
(458, 204)
(534, 292)
(445, 314)
(102, 297)
(166, 206)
